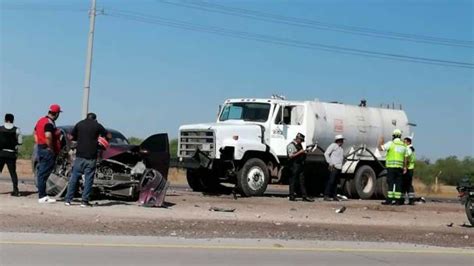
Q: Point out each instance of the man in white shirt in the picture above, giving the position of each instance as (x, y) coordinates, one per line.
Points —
(10, 139)
(335, 158)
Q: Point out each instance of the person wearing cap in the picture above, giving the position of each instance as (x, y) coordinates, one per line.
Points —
(296, 157)
(334, 155)
(90, 135)
(48, 146)
(396, 164)
(407, 184)
(10, 138)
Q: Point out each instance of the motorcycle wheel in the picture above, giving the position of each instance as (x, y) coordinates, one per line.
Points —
(470, 210)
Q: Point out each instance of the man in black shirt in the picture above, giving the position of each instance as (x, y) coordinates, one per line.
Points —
(296, 158)
(10, 138)
(86, 133)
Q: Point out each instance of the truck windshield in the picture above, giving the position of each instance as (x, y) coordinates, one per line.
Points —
(254, 112)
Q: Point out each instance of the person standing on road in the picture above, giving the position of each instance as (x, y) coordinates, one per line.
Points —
(395, 162)
(335, 158)
(48, 147)
(10, 138)
(407, 186)
(86, 133)
(297, 156)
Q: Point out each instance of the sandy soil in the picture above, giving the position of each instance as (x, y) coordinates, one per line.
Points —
(189, 215)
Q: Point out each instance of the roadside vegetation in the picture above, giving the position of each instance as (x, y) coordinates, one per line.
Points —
(447, 171)
(26, 150)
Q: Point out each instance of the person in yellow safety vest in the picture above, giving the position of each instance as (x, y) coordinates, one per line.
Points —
(396, 163)
(407, 184)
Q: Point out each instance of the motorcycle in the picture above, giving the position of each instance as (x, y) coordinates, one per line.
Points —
(466, 195)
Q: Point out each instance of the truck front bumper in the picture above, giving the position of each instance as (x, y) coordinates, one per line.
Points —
(199, 160)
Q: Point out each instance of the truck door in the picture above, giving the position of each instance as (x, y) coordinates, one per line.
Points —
(287, 122)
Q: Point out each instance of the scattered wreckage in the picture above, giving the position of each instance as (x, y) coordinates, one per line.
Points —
(124, 171)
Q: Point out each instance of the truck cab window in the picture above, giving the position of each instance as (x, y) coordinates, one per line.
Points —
(253, 112)
(288, 116)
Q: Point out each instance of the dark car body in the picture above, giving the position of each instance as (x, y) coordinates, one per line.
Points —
(120, 167)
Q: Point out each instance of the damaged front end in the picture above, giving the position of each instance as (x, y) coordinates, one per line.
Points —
(122, 170)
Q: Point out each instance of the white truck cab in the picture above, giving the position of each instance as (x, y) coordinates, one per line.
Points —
(247, 144)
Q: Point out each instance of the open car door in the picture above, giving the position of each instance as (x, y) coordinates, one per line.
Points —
(158, 154)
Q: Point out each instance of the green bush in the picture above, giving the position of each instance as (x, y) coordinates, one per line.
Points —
(26, 150)
(135, 140)
(450, 170)
(174, 148)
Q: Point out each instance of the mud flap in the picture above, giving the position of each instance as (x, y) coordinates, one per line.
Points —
(152, 189)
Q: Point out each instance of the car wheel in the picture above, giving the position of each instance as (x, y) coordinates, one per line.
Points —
(56, 185)
(364, 182)
(35, 173)
(253, 178)
(469, 210)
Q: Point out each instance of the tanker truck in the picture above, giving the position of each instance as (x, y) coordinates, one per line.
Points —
(246, 146)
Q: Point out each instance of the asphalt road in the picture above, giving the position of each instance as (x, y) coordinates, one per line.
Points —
(51, 249)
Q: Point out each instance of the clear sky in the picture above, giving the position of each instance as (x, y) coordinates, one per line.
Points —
(149, 78)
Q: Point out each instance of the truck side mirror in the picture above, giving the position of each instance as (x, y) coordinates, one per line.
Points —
(219, 111)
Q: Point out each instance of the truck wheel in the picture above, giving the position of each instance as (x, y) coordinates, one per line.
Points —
(350, 189)
(202, 180)
(253, 178)
(194, 178)
(364, 182)
(381, 187)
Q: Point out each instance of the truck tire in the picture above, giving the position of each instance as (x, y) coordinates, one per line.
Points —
(253, 178)
(365, 182)
(381, 187)
(349, 188)
(194, 178)
(201, 180)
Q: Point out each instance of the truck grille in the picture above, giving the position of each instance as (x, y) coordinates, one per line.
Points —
(191, 140)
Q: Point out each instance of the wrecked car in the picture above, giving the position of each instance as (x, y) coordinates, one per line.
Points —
(122, 169)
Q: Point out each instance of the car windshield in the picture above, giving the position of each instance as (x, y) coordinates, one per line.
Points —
(254, 112)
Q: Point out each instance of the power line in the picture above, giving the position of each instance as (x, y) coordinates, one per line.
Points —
(280, 41)
(41, 8)
(318, 25)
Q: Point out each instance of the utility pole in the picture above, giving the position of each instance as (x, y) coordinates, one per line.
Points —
(90, 46)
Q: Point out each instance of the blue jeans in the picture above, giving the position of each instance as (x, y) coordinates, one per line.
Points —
(81, 167)
(46, 163)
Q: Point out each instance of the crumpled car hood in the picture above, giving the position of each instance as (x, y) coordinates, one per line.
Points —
(115, 150)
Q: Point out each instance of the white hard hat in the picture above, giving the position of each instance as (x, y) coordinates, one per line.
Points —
(337, 137)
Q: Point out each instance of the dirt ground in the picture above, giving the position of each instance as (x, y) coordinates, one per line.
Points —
(189, 215)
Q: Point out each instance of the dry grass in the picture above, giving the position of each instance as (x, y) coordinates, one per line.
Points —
(434, 191)
(177, 176)
(23, 169)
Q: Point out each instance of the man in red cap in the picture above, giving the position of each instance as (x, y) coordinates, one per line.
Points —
(48, 143)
